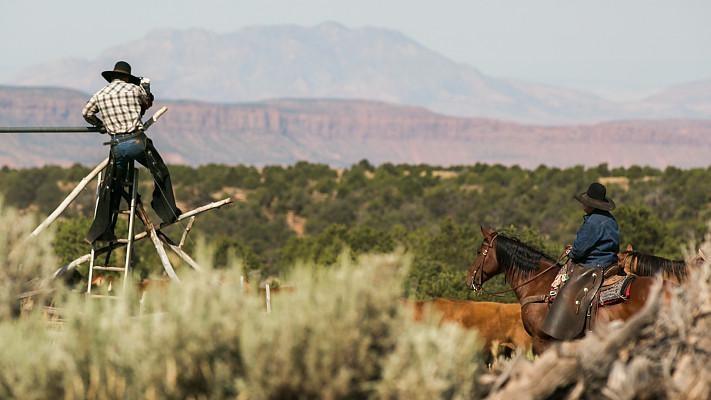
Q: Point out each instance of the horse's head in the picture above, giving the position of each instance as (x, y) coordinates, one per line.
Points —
(485, 265)
(625, 259)
(698, 260)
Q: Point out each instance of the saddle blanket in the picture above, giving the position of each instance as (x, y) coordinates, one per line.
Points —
(616, 292)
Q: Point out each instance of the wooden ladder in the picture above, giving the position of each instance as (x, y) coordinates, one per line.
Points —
(131, 186)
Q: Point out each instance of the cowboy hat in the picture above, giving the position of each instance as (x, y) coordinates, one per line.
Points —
(595, 197)
(121, 70)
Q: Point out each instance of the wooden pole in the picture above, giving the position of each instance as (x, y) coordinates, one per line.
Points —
(131, 220)
(269, 298)
(48, 129)
(162, 255)
(186, 231)
(183, 255)
(79, 261)
(64, 204)
(92, 255)
(157, 243)
(140, 236)
(178, 250)
(200, 210)
(154, 118)
(72, 129)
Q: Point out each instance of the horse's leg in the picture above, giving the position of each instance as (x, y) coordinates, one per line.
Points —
(533, 316)
(539, 345)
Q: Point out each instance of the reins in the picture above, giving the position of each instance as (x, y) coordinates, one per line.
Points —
(480, 271)
(500, 292)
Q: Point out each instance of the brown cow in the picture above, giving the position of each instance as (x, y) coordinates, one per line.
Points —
(498, 324)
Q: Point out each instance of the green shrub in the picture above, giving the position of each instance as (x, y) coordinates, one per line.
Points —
(330, 337)
(23, 262)
(431, 363)
(340, 334)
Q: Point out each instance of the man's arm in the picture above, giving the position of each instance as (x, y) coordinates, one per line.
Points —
(145, 99)
(89, 112)
(587, 236)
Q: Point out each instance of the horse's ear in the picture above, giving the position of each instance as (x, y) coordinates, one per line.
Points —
(629, 247)
(487, 232)
(702, 255)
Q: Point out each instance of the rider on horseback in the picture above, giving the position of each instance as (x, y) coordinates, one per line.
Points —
(598, 239)
(592, 254)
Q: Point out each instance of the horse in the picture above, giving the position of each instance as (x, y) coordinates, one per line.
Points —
(530, 274)
(497, 324)
(675, 271)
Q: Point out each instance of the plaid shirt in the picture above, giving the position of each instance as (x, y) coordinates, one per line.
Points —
(121, 105)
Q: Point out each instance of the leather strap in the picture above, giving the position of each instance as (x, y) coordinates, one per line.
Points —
(500, 292)
(541, 298)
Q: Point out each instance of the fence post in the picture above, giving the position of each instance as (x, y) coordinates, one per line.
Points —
(269, 299)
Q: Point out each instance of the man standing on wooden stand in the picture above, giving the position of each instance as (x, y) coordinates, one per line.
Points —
(122, 103)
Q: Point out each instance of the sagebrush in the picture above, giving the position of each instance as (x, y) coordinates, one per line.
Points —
(340, 334)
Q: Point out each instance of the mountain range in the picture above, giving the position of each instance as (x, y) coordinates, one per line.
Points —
(342, 132)
(333, 61)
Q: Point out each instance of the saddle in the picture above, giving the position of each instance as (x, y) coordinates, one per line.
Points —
(577, 301)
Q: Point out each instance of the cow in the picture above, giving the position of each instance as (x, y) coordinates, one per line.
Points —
(498, 324)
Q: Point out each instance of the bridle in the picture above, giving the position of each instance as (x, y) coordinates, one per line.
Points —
(477, 283)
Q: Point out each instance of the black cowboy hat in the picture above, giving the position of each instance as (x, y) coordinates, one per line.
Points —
(121, 70)
(595, 197)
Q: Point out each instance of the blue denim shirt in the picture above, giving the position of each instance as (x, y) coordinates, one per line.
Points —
(598, 240)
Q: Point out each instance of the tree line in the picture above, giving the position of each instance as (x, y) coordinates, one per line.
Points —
(307, 211)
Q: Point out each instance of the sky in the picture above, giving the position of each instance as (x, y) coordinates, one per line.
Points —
(620, 49)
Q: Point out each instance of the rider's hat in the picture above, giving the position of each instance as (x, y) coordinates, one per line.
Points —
(122, 69)
(595, 197)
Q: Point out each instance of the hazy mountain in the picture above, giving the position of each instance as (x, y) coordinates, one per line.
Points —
(341, 132)
(325, 61)
(692, 99)
(332, 61)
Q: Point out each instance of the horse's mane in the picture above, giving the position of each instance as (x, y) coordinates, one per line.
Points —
(518, 259)
(650, 265)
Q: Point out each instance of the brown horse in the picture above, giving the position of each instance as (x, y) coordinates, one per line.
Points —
(675, 271)
(530, 274)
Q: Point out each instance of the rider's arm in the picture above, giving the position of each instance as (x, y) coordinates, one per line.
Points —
(144, 98)
(90, 110)
(588, 235)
